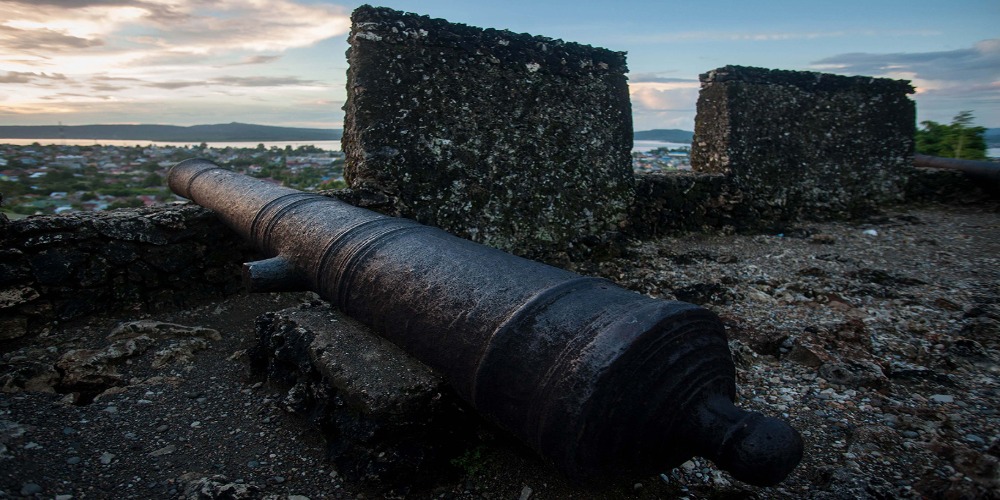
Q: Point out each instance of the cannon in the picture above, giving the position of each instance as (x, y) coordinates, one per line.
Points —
(984, 171)
(597, 379)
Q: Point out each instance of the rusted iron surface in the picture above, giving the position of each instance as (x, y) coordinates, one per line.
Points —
(596, 378)
(981, 170)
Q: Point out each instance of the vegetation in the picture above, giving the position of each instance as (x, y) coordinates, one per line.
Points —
(960, 139)
(41, 179)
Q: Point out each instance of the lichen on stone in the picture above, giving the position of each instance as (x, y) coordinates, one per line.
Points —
(805, 145)
(515, 141)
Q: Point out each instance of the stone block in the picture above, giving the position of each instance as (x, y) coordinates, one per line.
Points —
(805, 145)
(674, 202)
(519, 142)
(384, 415)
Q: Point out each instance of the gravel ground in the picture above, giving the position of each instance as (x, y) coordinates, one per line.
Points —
(878, 340)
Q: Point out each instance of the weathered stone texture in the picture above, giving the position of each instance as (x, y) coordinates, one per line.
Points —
(519, 142)
(948, 186)
(57, 268)
(385, 416)
(805, 145)
(676, 202)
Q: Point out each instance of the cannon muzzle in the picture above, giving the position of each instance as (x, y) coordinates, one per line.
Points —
(596, 378)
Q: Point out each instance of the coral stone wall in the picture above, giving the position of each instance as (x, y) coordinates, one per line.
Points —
(57, 268)
(519, 142)
(805, 145)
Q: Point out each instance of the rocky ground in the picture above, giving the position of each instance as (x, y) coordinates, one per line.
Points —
(879, 340)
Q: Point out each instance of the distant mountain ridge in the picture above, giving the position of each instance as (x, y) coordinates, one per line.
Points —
(228, 132)
(231, 132)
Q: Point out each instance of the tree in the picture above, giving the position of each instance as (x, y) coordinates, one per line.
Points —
(152, 180)
(125, 203)
(958, 140)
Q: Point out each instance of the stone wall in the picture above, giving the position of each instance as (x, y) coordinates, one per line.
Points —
(519, 142)
(805, 145)
(57, 268)
(672, 202)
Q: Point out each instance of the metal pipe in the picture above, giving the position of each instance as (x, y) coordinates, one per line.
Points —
(595, 378)
(982, 170)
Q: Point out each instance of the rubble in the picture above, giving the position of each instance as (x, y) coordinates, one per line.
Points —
(882, 349)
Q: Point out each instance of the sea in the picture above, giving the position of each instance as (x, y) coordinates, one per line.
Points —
(637, 146)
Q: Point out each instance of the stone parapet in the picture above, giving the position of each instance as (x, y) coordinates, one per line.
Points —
(803, 145)
(58, 268)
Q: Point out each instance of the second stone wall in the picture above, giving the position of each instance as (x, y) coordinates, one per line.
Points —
(805, 145)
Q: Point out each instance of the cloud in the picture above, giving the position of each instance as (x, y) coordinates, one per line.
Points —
(74, 96)
(42, 40)
(29, 77)
(173, 85)
(664, 96)
(70, 4)
(237, 81)
(111, 81)
(172, 26)
(946, 81)
(263, 81)
(662, 101)
(17, 77)
(729, 36)
(980, 62)
(122, 52)
(258, 59)
(248, 25)
(634, 78)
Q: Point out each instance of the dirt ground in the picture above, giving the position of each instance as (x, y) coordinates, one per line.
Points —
(879, 340)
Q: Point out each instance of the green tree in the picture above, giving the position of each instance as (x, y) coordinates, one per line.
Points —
(152, 180)
(125, 203)
(958, 140)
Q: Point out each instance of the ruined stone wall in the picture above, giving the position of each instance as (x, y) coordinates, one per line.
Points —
(519, 142)
(805, 145)
(667, 203)
(57, 268)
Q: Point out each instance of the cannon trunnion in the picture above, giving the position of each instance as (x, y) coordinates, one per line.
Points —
(597, 379)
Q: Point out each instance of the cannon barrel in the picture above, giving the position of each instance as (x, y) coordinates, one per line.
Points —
(596, 378)
(982, 170)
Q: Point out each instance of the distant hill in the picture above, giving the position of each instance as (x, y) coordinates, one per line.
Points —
(664, 135)
(992, 137)
(241, 132)
(228, 132)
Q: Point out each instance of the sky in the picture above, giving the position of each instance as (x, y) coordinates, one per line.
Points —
(282, 62)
